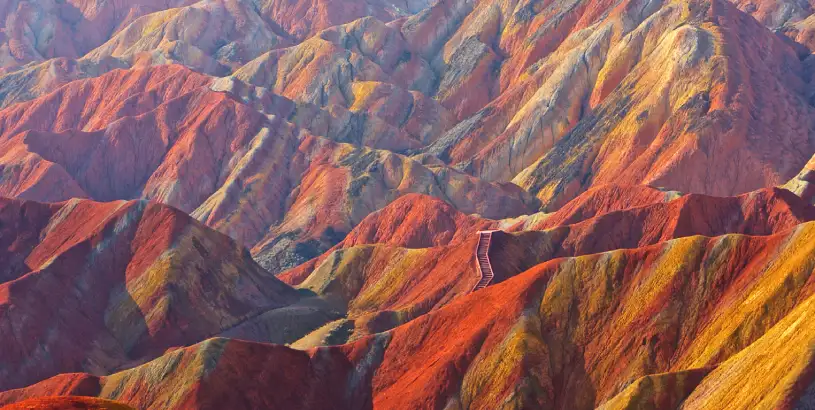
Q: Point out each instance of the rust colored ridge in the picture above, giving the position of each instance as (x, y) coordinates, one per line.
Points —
(680, 321)
(415, 221)
(97, 286)
(67, 403)
(421, 221)
(594, 202)
(601, 219)
(68, 384)
(604, 199)
(761, 212)
(89, 105)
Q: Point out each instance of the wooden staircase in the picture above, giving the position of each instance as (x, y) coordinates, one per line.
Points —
(483, 258)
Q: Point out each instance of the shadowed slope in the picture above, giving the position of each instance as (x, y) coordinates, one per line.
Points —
(602, 219)
(420, 221)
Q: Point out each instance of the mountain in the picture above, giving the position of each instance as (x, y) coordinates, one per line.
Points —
(167, 136)
(653, 137)
(90, 286)
(374, 204)
(40, 30)
(628, 118)
(681, 321)
(35, 31)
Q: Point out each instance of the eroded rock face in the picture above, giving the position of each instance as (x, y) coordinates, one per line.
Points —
(384, 277)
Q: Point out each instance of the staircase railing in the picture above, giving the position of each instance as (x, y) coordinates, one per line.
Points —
(482, 258)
